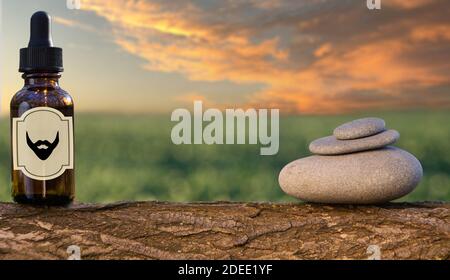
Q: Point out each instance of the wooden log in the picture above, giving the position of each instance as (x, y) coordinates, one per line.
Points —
(152, 230)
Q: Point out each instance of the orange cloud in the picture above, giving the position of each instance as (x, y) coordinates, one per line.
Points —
(408, 4)
(73, 23)
(432, 33)
(269, 42)
(323, 50)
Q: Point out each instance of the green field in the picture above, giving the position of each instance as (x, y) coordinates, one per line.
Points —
(132, 158)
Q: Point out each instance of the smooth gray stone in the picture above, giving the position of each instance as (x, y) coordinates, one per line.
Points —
(363, 178)
(359, 128)
(332, 146)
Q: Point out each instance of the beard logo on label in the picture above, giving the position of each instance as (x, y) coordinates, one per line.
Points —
(42, 143)
(43, 148)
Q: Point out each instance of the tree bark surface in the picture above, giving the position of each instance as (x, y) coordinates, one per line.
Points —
(220, 230)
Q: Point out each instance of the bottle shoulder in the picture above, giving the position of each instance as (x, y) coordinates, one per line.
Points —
(34, 96)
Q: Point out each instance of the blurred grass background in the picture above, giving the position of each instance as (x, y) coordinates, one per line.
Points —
(122, 157)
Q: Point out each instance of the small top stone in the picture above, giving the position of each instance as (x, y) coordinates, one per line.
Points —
(359, 128)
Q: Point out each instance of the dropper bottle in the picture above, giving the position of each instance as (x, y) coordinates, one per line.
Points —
(42, 129)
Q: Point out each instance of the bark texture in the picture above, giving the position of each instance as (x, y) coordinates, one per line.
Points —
(152, 230)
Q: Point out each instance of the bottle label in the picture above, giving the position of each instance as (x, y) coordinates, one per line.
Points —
(42, 143)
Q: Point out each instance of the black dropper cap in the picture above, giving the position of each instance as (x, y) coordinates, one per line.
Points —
(41, 55)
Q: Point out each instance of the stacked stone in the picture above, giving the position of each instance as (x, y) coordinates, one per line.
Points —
(356, 165)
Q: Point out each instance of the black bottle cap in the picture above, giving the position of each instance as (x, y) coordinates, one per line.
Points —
(40, 55)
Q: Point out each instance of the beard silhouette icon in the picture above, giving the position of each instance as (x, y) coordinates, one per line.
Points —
(43, 153)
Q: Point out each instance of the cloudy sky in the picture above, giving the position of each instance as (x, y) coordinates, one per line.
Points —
(302, 56)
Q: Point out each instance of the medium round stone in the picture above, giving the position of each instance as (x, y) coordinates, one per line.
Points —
(363, 178)
(332, 146)
(359, 128)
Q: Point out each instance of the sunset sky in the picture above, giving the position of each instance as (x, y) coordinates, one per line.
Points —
(301, 56)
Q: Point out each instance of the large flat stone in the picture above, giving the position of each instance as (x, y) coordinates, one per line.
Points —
(362, 178)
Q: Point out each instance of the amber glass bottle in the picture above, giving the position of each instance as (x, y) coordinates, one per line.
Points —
(42, 139)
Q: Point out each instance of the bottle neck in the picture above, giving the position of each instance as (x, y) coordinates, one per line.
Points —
(42, 79)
